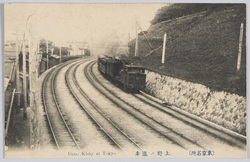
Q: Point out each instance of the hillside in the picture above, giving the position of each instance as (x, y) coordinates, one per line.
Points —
(202, 46)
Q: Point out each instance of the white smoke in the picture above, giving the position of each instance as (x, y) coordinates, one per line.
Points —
(110, 44)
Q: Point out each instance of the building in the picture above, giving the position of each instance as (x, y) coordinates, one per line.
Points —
(77, 48)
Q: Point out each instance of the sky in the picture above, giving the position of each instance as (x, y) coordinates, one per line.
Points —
(77, 22)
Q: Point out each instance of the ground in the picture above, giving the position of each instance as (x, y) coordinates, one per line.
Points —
(19, 132)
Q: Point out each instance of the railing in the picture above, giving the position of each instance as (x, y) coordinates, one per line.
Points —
(10, 75)
(13, 72)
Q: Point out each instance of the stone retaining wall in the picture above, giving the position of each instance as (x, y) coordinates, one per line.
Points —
(222, 108)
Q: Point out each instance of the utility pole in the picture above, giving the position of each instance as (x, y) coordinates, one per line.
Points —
(47, 51)
(164, 48)
(60, 54)
(129, 38)
(38, 57)
(136, 40)
(145, 36)
(32, 70)
(17, 72)
(24, 81)
(24, 72)
(38, 46)
(240, 47)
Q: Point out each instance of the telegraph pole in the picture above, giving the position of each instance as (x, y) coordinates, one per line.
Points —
(145, 36)
(129, 38)
(38, 46)
(164, 48)
(136, 40)
(240, 46)
(24, 81)
(60, 54)
(17, 72)
(24, 72)
(47, 51)
(38, 57)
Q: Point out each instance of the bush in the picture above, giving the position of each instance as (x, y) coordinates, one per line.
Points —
(178, 10)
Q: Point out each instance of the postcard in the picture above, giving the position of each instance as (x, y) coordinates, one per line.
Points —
(132, 80)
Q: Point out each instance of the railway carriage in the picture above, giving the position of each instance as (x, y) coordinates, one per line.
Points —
(114, 66)
(132, 78)
(102, 65)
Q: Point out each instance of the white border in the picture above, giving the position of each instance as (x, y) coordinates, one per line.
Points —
(111, 1)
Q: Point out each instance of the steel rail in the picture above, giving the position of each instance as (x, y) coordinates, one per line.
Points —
(46, 111)
(58, 108)
(96, 107)
(88, 113)
(45, 103)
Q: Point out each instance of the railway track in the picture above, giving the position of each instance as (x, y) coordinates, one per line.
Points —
(174, 137)
(116, 135)
(61, 133)
(232, 138)
(153, 123)
(105, 124)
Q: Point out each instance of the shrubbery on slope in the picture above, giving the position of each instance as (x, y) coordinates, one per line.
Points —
(201, 47)
(178, 10)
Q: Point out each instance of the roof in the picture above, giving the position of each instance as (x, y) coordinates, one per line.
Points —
(134, 66)
(55, 56)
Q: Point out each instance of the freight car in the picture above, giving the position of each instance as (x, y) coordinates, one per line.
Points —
(132, 78)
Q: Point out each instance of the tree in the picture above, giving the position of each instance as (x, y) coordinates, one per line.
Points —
(43, 46)
(64, 50)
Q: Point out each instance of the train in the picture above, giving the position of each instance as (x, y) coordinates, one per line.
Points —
(130, 77)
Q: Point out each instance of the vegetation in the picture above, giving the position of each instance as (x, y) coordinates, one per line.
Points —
(202, 47)
(64, 51)
(179, 10)
(43, 46)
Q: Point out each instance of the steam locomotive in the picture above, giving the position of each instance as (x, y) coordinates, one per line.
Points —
(130, 77)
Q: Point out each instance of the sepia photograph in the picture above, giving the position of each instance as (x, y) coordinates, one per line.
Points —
(124, 80)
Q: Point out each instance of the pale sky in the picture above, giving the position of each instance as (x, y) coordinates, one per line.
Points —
(77, 22)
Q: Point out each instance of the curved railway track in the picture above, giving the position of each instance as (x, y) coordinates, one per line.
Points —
(113, 132)
(230, 137)
(106, 125)
(162, 130)
(60, 130)
(178, 138)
